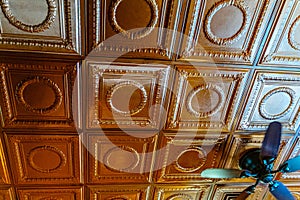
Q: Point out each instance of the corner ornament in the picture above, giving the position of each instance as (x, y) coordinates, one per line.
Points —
(47, 22)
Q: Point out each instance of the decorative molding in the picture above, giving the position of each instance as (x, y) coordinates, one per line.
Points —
(194, 92)
(136, 35)
(217, 7)
(120, 85)
(265, 98)
(34, 151)
(47, 22)
(41, 80)
(180, 196)
(292, 33)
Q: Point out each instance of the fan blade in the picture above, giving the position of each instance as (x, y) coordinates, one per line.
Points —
(271, 142)
(221, 173)
(290, 165)
(280, 191)
(246, 193)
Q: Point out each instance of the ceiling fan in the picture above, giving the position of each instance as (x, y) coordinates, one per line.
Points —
(258, 163)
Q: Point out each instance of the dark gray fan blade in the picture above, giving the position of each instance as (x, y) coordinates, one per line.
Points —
(271, 142)
(280, 191)
(246, 193)
(221, 173)
(290, 165)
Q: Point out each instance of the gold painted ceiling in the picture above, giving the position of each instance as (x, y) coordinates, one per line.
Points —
(91, 109)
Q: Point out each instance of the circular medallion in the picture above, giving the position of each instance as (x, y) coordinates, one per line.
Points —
(209, 18)
(180, 197)
(122, 86)
(269, 113)
(205, 88)
(40, 156)
(191, 159)
(134, 35)
(121, 158)
(293, 33)
(28, 86)
(47, 22)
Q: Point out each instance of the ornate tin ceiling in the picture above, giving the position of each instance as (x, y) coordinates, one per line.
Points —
(91, 109)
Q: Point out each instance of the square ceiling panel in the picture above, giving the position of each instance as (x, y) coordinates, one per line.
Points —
(183, 158)
(37, 95)
(225, 30)
(45, 159)
(283, 47)
(120, 158)
(167, 192)
(44, 26)
(65, 193)
(136, 28)
(273, 96)
(142, 88)
(205, 99)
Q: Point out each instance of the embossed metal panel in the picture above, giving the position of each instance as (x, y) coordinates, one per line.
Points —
(164, 192)
(273, 96)
(41, 26)
(183, 158)
(228, 192)
(283, 47)
(225, 30)
(45, 159)
(142, 89)
(65, 193)
(121, 158)
(139, 28)
(118, 192)
(36, 95)
(205, 99)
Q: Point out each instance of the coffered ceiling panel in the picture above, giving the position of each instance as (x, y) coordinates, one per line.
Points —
(65, 193)
(172, 192)
(230, 192)
(142, 89)
(138, 28)
(283, 47)
(36, 95)
(225, 30)
(121, 158)
(114, 192)
(45, 159)
(205, 99)
(41, 26)
(183, 158)
(273, 96)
